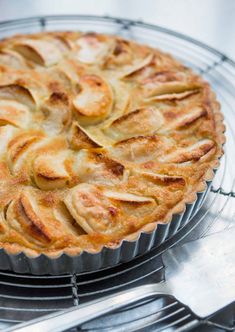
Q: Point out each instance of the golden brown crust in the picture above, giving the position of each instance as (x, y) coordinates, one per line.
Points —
(100, 139)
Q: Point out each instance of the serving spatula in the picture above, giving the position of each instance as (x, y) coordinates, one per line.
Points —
(200, 274)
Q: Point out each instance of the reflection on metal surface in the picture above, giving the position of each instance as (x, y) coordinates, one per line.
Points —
(24, 297)
(201, 274)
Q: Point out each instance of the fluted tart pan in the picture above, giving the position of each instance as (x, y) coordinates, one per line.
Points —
(107, 148)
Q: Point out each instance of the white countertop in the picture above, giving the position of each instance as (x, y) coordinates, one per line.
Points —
(210, 21)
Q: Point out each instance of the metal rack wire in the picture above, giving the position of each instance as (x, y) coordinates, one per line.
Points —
(23, 297)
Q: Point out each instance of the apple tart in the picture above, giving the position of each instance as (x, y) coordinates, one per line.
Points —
(101, 139)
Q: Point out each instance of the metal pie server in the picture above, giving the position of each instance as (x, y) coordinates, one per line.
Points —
(200, 274)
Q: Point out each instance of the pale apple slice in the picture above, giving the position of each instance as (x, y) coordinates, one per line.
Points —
(6, 134)
(127, 197)
(42, 52)
(12, 59)
(18, 93)
(93, 48)
(122, 104)
(14, 113)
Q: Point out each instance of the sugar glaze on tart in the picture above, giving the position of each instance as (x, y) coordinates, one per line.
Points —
(101, 138)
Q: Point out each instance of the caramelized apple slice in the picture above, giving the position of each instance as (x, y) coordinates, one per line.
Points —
(128, 57)
(20, 145)
(174, 96)
(57, 113)
(95, 100)
(22, 215)
(161, 77)
(191, 153)
(79, 138)
(139, 149)
(49, 171)
(175, 181)
(137, 64)
(167, 85)
(121, 55)
(3, 225)
(184, 118)
(31, 214)
(144, 121)
(95, 167)
(156, 89)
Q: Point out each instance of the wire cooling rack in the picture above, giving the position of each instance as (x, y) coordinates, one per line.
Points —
(23, 297)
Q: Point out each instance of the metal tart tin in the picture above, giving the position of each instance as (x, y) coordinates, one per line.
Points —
(107, 257)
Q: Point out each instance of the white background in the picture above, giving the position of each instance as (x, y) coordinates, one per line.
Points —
(211, 21)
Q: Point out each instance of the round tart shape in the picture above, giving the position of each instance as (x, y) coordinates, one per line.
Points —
(101, 139)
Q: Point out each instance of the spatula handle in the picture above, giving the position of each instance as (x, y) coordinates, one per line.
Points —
(62, 321)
